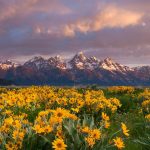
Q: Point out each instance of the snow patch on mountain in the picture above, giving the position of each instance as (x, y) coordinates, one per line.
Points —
(80, 61)
(111, 65)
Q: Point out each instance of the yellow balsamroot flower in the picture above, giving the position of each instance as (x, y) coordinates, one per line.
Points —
(11, 146)
(18, 135)
(59, 144)
(59, 114)
(95, 101)
(105, 117)
(17, 124)
(46, 120)
(80, 103)
(95, 134)
(85, 129)
(5, 127)
(115, 102)
(118, 142)
(48, 129)
(90, 141)
(124, 129)
(59, 134)
(8, 112)
(1, 106)
(106, 124)
(146, 105)
(76, 110)
(38, 129)
(8, 121)
(18, 144)
(148, 117)
(72, 116)
(43, 113)
(12, 125)
(145, 94)
(72, 100)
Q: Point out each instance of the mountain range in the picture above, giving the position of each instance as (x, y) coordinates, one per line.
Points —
(80, 70)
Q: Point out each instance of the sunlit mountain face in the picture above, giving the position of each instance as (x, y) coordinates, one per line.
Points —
(119, 29)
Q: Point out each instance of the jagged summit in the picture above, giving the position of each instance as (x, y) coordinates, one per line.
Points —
(57, 62)
(111, 65)
(36, 62)
(58, 57)
(40, 63)
(81, 53)
(36, 58)
(94, 58)
(80, 56)
(78, 61)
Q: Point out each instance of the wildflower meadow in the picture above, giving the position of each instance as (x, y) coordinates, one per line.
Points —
(55, 118)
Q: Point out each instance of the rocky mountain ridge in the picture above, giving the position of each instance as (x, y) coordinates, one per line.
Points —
(79, 70)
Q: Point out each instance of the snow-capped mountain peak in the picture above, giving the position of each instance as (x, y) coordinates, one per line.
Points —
(57, 62)
(111, 65)
(58, 57)
(37, 62)
(41, 63)
(80, 56)
(109, 60)
(80, 61)
(93, 58)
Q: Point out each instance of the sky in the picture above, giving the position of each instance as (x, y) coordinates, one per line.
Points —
(119, 29)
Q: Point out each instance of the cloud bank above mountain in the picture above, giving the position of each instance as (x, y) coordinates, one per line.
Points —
(118, 29)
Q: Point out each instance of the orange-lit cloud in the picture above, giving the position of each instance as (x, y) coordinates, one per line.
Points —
(109, 17)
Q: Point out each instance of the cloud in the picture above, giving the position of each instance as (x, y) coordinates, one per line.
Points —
(69, 31)
(109, 17)
(10, 9)
(116, 17)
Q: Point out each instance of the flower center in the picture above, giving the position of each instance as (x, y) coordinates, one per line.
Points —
(59, 145)
(59, 114)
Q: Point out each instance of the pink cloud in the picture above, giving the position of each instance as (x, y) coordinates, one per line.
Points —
(109, 17)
